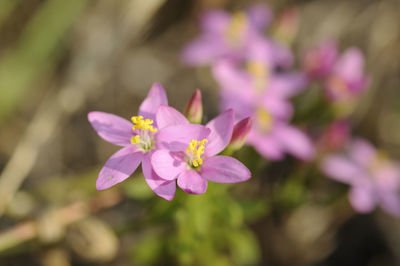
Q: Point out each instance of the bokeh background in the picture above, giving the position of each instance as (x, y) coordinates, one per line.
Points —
(61, 59)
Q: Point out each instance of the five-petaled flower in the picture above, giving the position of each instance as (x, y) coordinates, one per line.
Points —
(374, 178)
(191, 157)
(138, 141)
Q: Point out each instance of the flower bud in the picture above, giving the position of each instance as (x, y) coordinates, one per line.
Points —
(194, 109)
(240, 133)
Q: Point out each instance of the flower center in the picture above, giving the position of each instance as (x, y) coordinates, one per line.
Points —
(264, 120)
(144, 140)
(259, 72)
(194, 152)
(236, 28)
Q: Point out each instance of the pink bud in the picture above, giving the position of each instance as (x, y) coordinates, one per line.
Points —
(194, 109)
(240, 133)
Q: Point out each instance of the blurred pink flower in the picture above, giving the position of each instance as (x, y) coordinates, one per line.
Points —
(347, 79)
(190, 157)
(343, 77)
(138, 139)
(264, 97)
(374, 178)
(229, 36)
(318, 61)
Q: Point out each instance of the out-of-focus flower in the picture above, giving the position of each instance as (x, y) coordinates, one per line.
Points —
(226, 36)
(271, 134)
(194, 109)
(335, 136)
(373, 177)
(193, 162)
(347, 79)
(138, 141)
(318, 61)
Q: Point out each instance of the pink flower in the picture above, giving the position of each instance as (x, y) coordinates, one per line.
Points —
(343, 77)
(374, 178)
(138, 141)
(226, 36)
(347, 79)
(190, 157)
(318, 61)
(264, 97)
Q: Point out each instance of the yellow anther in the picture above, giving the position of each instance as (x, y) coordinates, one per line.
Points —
(135, 139)
(143, 124)
(237, 26)
(260, 73)
(196, 149)
(264, 119)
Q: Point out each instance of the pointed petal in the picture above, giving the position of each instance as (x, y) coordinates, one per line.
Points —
(224, 169)
(111, 128)
(177, 138)
(163, 188)
(215, 21)
(156, 97)
(362, 199)
(221, 132)
(203, 50)
(167, 164)
(265, 145)
(169, 116)
(119, 167)
(341, 169)
(350, 65)
(362, 152)
(192, 182)
(295, 141)
(260, 15)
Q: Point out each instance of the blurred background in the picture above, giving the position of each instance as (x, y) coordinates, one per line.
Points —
(61, 59)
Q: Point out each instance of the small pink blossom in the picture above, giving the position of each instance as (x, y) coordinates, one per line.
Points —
(139, 141)
(193, 161)
(373, 177)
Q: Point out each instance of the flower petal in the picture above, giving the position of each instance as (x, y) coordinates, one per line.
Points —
(167, 164)
(260, 15)
(192, 182)
(163, 188)
(362, 199)
(265, 145)
(177, 138)
(203, 50)
(154, 99)
(224, 169)
(341, 169)
(111, 128)
(390, 202)
(362, 152)
(294, 141)
(169, 116)
(119, 167)
(221, 132)
(215, 21)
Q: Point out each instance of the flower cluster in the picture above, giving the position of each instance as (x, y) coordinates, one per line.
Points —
(169, 147)
(245, 64)
(256, 79)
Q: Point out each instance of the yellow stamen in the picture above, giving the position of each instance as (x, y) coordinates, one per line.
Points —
(237, 26)
(260, 73)
(264, 119)
(196, 149)
(143, 124)
(135, 139)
